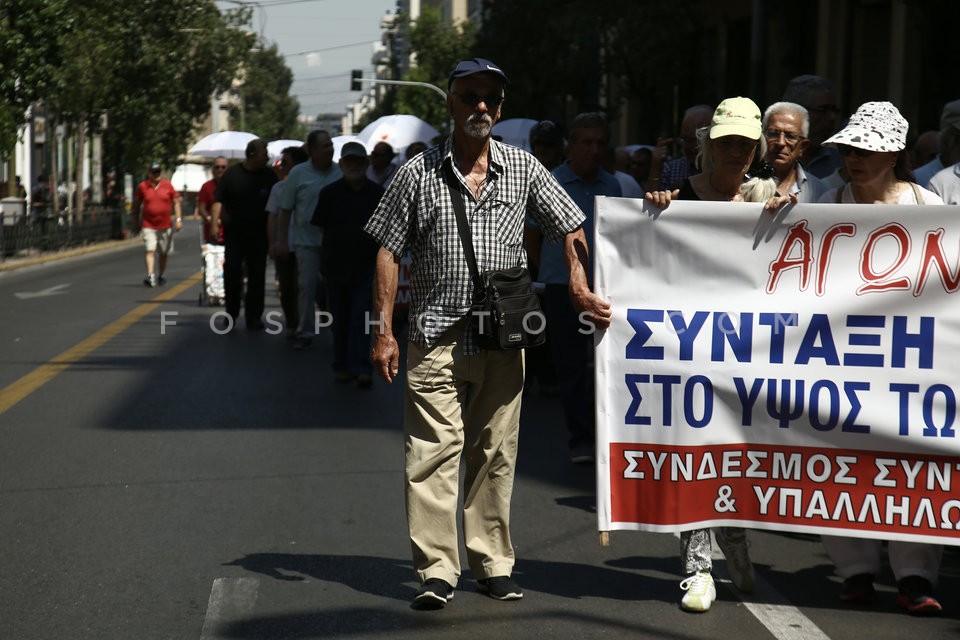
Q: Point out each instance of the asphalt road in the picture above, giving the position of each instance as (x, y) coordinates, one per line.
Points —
(175, 483)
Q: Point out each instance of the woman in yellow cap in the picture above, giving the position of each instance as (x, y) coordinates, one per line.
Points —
(731, 153)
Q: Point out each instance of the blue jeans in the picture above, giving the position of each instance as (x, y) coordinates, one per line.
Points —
(350, 306)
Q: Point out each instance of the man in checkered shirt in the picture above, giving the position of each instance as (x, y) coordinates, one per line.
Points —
(462, 400)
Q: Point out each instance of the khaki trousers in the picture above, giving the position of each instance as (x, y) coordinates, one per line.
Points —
(853, 556)
(461, 405)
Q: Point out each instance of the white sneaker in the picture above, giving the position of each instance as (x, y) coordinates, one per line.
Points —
(700, 592)
(734, 547)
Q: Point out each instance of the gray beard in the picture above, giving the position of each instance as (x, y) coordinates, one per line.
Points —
(478, 126)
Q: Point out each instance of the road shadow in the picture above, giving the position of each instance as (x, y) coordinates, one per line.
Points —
(562, 600)
(513, 620)
(393, 578)
(236, 381)
(255, 380)
(384, 577)
(795, 586)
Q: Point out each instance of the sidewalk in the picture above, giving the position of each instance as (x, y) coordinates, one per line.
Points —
(10, 264)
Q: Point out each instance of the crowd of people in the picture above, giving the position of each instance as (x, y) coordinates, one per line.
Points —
(338, 232)
(871, 147)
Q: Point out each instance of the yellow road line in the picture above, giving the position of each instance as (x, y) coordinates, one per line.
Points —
(17, 391)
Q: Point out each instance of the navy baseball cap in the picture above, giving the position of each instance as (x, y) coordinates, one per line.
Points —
(353, 149)
(477, 65)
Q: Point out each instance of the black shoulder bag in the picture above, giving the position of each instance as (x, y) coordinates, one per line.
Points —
(506, 311)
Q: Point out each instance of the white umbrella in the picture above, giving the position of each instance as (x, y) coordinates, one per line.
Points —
(338, 142)
(189, 177)
(399, 131)
(275, 148)
(515, 131)
(229, 144)
(632, 148)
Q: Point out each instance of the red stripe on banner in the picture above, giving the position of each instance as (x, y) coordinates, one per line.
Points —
(850, 490)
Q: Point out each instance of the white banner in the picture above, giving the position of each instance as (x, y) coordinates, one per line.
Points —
(797, 373)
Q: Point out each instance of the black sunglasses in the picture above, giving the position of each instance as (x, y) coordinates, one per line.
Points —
(472, 100)
(846, 150)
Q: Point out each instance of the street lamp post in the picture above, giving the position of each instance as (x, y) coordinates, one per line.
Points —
(406, 83)
(356, 77)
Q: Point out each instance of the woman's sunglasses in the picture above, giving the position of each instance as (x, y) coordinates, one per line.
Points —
(846, 150)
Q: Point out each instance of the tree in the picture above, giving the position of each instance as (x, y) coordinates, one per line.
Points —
(436, 47)
(552, 73)
(83, 82)
(644, 60)
(591, 57)
(151, 66)
(178, 53)
(266, 106)
(29, 58)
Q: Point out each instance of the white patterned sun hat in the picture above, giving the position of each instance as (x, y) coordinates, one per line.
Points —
(875, 126)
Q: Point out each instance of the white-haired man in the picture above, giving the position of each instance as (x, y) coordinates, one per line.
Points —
(461, 401)
(786, 126)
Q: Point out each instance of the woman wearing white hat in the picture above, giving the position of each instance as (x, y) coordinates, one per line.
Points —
(872, 147)
(731, 151)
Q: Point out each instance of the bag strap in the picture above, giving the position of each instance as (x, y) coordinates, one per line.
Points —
(840, 194)
(916, 193)
(463, 229)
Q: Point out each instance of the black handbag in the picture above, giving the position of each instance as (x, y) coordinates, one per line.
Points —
(505, 312)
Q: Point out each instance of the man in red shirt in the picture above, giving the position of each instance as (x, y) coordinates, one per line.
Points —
(205, 201)
(151, 212)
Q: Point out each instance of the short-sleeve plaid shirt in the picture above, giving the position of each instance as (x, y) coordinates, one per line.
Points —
(417, 211)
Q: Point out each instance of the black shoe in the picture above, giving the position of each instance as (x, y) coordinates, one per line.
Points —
(583, 453)
(161, 281)
(302, 343)
(858, 589)
(916, 597)
(433, 594)
(500, 588)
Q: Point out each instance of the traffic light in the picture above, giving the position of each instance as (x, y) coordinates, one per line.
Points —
(355, 76)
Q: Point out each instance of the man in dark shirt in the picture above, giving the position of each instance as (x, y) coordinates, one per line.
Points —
(242, 194)
(347, 262)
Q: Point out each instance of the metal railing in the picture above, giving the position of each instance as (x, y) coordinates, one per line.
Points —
(45, 231)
